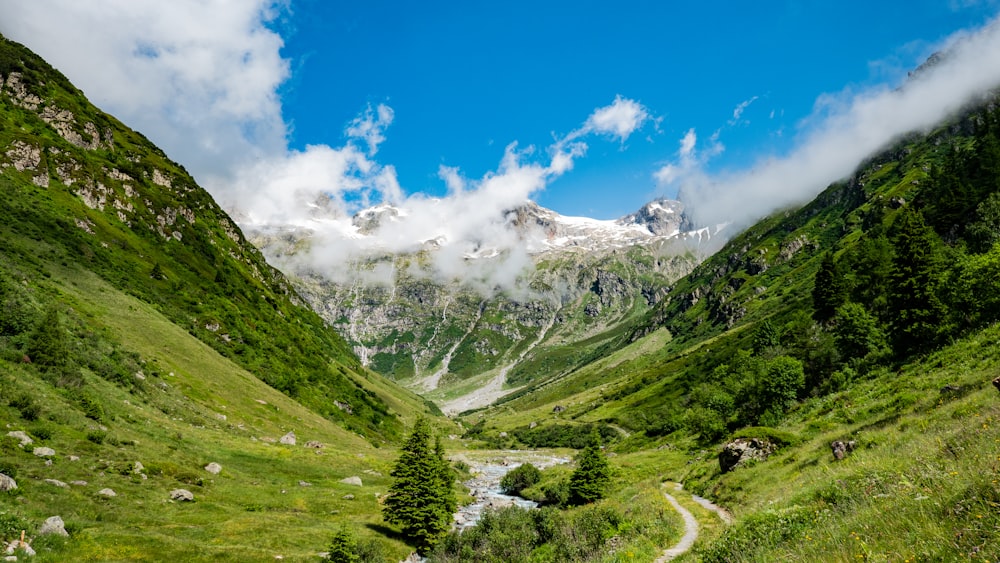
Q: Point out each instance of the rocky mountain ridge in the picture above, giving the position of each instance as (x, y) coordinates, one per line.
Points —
(586, 278)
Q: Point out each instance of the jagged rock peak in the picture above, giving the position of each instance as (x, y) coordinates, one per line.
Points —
(663, 217)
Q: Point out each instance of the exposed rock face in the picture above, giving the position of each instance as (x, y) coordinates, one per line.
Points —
(53, 525)
(7, 483)
(743, 450)
(584, 277)
(182, 495)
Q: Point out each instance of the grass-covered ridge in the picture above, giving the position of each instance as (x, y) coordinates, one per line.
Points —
(80, 187)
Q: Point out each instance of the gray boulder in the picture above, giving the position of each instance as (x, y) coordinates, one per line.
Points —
(182, 495)
(7, 483)
(56, 483)
(288, 439)
(20, 435)
(107, 493)
(213, 468)
(43, 452)
(53, 525)
(355, 480)
(15, 545)
(744, 450)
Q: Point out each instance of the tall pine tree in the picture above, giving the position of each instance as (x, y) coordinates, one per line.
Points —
(829, 289)
(916, 312)
(421, 499)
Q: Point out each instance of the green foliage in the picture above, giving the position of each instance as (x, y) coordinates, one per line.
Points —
(829, 289)
(26, 405)
(757, 534)
(858, 333)
(421, 499)
(343, 547)
(520, 478)
(592, 476)
(515, 535)
(575, 436)
(918, 315)
(47, 345)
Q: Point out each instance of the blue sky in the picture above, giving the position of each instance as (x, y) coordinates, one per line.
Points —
(283, 107)
(465, 79)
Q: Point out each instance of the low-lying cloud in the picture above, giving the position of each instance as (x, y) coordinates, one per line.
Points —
(844, 129)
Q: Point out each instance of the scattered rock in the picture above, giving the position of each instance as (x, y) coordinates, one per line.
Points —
(53, 525)
(74, 458)
(78, 483)
(305, 484)
(107, 493)
(558, 409)
(288, 439)
(996, 383)
(372, 472)
(137, 467)
(841, 449)
(182, 495)
(213, 468)
(57, 483)
(43, 452)
(261, 402)
(348, 496)
(951, 389)
(7, 483)
(20, 435)
(743, 450)
(48, 462)
(18, 545)
(533, 425)
(503, 434)
(314, 444)
(355, 480)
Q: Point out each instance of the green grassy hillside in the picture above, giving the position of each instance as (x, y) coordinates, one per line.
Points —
(139, 326)
(867, 315)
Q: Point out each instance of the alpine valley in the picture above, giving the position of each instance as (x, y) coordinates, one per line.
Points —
(182, 383)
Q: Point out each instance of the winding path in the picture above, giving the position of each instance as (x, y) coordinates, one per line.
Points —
(690, 524)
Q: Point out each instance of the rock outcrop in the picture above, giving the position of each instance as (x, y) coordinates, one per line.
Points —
(741, 451)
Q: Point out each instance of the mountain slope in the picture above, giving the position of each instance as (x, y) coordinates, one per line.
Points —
(96, 193)
(142, 338)
(451, 337)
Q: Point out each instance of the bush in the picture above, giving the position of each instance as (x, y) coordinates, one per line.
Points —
(557, 493)
(520, 478)
(26, 406)
(11, 525)
(97, 436)
(41, 432)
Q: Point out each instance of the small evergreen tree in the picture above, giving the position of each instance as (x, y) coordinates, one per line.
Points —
(421, 499)
(157, 273)
(343, 547)
(47, 345)
(590, 479)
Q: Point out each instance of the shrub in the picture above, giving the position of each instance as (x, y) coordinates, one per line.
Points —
(520, 478)
(42, 432)
(97, 436)
(26, 406)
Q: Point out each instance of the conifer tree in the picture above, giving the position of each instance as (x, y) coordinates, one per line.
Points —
(421, 499)
(916, 311)
(590, 479)
(829, 289)
(47, 346)
(343, 547)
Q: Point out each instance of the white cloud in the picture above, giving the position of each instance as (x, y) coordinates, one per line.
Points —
(844, 129)
(371, 126)
(740, 108)
(620, 119)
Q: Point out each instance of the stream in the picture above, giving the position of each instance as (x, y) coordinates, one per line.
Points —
(487, 471)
